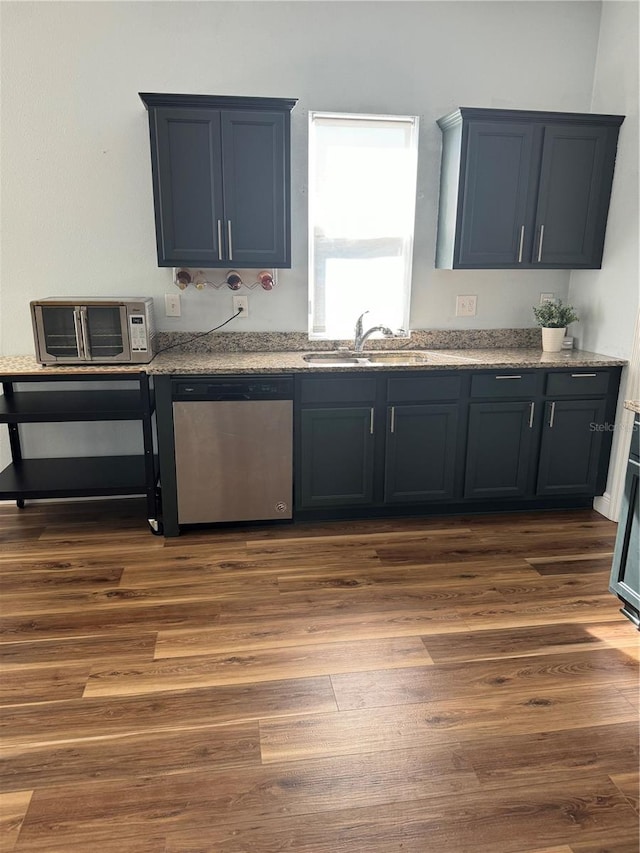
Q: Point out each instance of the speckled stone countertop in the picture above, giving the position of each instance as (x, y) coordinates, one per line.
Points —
(293, 362)
(632, 405)
(193, 363)
(26, 365)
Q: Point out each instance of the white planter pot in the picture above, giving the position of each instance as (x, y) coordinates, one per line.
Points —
(552, 339)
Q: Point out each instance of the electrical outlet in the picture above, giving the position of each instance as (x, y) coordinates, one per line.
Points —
(172, 305)
(547, 297)
(241, 303)
(466, 305)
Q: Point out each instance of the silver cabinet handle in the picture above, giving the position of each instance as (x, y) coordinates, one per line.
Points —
(230, 240)
(393, 419)
(78, 331)
(633, 462)
(532, 408)
(521, 244)
(511, 376)
(219, 239)
(540, 245)
(371, 422)
(85, 332)
(580, 375)
(552, 415)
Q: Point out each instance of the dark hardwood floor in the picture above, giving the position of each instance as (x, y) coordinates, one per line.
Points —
(460, 684)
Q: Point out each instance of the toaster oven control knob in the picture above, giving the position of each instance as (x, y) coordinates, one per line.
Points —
(233, 280)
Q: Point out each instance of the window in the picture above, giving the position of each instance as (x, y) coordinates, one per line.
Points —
(362, 195)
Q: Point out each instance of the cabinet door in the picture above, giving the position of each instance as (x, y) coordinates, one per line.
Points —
(498, 449)
(570, 450)
(421, 452)
(336, 457)
(256, 188)
(572, 202)
(497, 188)
(187, 177)
(625, 573)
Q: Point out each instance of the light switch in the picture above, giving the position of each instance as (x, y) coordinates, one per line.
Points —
(172, 305)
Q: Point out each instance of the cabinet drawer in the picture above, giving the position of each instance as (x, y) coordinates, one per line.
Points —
(504, 383)
(333, 390)
(419, 388)
(577, 383)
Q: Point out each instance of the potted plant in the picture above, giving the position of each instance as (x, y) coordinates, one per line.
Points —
(554, 317)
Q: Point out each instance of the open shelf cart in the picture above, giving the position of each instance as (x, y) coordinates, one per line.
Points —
(81, 476)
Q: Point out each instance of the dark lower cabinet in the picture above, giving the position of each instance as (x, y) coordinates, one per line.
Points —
(572, 437)
(336, 457)
(625, 571)
(420, 458)
(497, 439)
(499, 448)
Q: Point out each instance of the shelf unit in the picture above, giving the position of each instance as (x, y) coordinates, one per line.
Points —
(82, 476)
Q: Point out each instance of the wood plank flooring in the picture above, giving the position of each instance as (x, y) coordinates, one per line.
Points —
(440, 685)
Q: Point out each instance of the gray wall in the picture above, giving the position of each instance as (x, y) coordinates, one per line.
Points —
(77, 214)
(76, 184)
(607, 299)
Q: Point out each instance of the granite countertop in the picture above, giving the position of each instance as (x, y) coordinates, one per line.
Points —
(26, 365)
(633, 406)
(293, 362)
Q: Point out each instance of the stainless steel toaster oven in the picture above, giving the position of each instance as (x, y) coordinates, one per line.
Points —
(102, 330)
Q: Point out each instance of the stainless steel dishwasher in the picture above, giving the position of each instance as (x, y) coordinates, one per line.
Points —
(233, 448)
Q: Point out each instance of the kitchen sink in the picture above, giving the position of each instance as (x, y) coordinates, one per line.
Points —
(335, 359)
(382, 357)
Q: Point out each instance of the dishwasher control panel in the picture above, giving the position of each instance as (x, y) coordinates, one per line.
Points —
(233, 388)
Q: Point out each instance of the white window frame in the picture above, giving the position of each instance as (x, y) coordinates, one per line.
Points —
(317, 329)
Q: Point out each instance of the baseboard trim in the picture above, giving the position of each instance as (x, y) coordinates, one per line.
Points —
(604, 506)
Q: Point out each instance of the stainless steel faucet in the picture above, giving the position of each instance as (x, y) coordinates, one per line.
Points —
(360, 337)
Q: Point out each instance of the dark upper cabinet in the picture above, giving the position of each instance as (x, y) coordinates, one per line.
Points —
(187, 184)
(524, 190)
(221, 180)
(496, 193)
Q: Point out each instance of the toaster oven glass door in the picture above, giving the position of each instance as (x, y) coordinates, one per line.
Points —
(73, 333)
(59, 333)
(104, 329)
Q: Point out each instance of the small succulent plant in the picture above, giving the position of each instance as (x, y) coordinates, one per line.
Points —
(554, 315)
